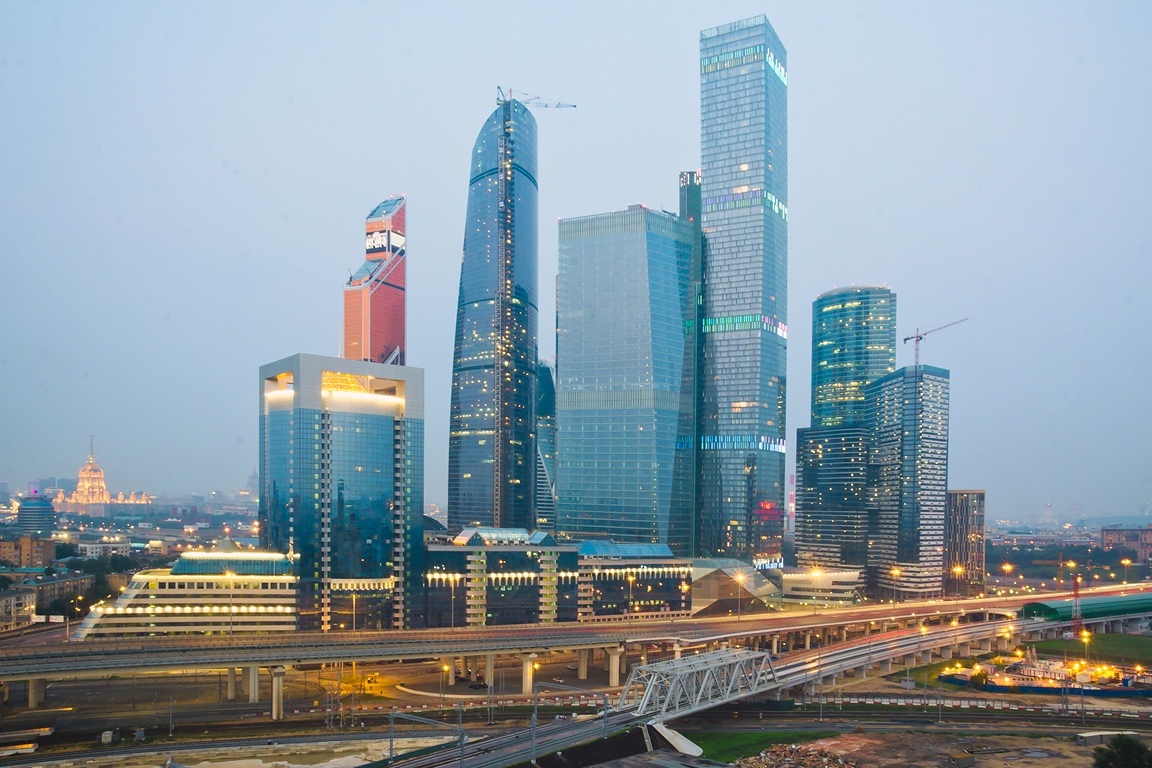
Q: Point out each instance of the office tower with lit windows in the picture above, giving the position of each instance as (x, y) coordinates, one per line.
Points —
(374, 300)
(492, 432)
(853, 344)
(545, 448)
(744, 215)
(908, 480)
(964, 563)
(342, 487)
(622, 301)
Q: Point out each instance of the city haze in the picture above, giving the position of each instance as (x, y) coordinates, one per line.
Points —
(184, 189)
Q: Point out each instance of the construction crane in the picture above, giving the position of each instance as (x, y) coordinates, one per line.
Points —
(529, 100)
(918, 337)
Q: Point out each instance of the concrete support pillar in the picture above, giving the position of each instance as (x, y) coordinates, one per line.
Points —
(909, 660)
(861, 673)
(964, 650)
(277, 692)
(606, 660)
(231, 683)
(807, 640)
(677, 649)
(867, 629)
(582, 664)
(37, 690)
(474, 668)
(527, 672)
(775, 644)
(253, 684)
(1001, 644)
(614, 655)
(450, 663)
(886, 666)
(945, 653)
(490, 670)
(828, 680)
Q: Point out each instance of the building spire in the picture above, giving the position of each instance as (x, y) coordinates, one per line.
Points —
(91, 448)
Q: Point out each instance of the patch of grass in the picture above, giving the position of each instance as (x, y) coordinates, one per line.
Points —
(1106, 647)
(931, 672)
(726, 747)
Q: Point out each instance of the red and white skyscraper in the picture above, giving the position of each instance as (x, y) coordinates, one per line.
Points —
(374, 304)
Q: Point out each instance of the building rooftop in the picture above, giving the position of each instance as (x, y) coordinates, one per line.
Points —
(386, 208)
(623, 551)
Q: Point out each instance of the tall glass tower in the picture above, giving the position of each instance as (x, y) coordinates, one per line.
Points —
(622, 302)
(908, 481)
(545, 448)
(492, 439)
(853, 344)
(744, 211)
(374, 301)
(342, 485)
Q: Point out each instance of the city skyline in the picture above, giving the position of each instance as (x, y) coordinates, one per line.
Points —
(990, 245)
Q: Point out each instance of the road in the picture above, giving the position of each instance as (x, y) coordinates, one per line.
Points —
(96, 658)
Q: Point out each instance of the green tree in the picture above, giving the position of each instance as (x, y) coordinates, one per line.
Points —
(1122, 751)
(6, 581)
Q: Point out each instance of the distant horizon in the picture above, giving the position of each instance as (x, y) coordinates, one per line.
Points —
(185, 197)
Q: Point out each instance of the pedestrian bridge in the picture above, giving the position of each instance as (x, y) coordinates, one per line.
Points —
(671, 689)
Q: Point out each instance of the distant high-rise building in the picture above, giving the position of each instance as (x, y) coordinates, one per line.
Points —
(4, 493)
(622, 302)
(853, 344)
(35, 516)
(964, 564)
(546, 448)
(744, 210)
(908, 480)
(374, 299)
(492, 434)
(342, 486)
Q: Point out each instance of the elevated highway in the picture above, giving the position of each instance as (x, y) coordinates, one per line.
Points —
(774, 632)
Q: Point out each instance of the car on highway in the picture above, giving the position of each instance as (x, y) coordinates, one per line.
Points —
(478, 686)
(557, 679)
(572, 667)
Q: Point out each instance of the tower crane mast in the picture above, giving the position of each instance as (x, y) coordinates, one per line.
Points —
(918, 337)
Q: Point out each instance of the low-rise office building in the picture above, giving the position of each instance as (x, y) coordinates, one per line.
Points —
(223, 591)
(620, 580)
(17, 607)
(822, 586)
(65, 584)
(28, 551)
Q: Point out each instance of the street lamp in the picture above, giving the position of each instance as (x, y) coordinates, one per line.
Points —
(631, 581)
(739, 593)
(443, 674)
(1126, 562)
(895, 574)
(1085, 637)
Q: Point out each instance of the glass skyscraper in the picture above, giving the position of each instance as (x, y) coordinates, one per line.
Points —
(492, 438)
(853, 344)
(374, 300)
(908, 480)
(964, 565)
(622, 303)
(744, 211)
(342, 485)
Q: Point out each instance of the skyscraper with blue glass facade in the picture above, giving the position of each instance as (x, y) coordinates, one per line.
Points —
(744, 212)
(622, 302)
(342, 484)
(853, 344)
(492, 437)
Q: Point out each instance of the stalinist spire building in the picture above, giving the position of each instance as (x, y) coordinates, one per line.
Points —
(91, 493)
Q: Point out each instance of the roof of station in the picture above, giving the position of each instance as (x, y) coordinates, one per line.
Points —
(1090, 607)
(623, 551)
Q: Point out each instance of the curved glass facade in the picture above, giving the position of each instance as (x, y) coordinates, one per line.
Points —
(853, 344)
(492, 442)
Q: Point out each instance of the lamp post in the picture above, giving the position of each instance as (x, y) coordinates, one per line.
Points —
(1085, 637)
(957, 572)
(631, 581)
(1126, 562)
(739, 593)
(895, 574)
(443, 674)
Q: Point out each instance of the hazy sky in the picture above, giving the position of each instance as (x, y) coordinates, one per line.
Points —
(183, 189)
